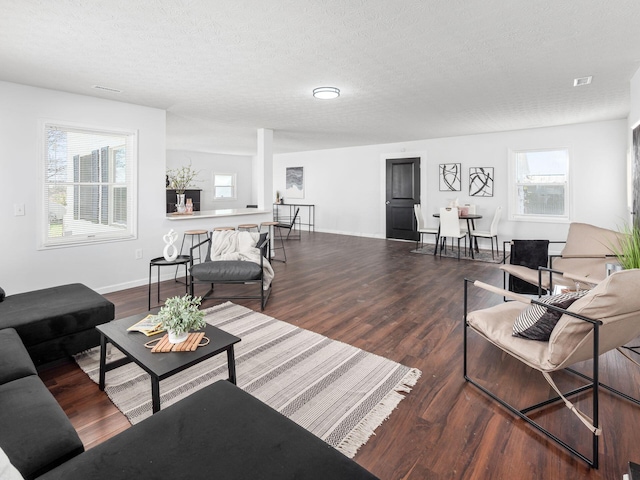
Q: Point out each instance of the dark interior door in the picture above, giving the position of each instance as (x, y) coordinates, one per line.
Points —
(403, 191)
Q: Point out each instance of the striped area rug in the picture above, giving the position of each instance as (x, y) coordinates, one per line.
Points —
(336, 391)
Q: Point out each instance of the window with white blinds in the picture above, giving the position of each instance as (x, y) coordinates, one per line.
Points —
(89, 185)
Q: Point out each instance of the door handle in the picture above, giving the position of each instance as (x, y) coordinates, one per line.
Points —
(387, 202)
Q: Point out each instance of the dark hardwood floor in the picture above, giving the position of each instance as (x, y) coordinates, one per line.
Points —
(376, 295)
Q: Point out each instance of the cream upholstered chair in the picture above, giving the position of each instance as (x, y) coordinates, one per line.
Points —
(586, 252)
(421, 226)
(450, 228)
(602, 319)
(491, 233)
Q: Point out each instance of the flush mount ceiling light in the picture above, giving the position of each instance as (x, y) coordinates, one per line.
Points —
(578, 82)
(326, 93)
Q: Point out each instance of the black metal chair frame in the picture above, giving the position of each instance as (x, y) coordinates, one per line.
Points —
(265, 246)
(594, 385)
(289, 226)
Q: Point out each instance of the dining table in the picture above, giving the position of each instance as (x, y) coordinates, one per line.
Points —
(470, 218)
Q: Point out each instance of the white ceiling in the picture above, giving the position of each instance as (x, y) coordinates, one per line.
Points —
(407, 69)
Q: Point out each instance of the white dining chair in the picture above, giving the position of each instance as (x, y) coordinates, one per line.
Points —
(421, 225)
(450, 228)
(491, 233)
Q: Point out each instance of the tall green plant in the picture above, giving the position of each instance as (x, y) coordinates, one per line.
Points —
(628, 251)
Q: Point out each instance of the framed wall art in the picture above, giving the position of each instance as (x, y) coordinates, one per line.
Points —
(481, 182)
(295, 182)
(450, 177)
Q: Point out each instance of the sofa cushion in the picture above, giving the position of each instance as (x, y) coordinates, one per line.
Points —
(219, 432)
(15, 362)
(226, 271)
(36, 434)
(2, 294)
(41, 315)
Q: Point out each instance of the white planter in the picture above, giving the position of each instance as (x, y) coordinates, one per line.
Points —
(173, 338)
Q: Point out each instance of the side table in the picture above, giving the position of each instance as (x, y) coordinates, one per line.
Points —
(162, 262)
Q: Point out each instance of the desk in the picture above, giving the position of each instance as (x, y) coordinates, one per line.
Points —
(311, 214)
(470, 226)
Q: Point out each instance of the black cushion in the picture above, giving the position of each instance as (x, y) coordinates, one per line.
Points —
(226, 271)
(36, 435)
(219, 432)
(531, 254)
(15, 362)
(41, 315)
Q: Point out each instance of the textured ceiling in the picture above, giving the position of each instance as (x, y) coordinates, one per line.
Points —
(407, 69)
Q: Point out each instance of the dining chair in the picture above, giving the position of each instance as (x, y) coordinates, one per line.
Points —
(450, 228)
(491, 233)
(421, 226)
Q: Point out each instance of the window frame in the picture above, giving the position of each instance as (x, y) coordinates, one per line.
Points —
(234, 186)
(514, 184)
(131, 185)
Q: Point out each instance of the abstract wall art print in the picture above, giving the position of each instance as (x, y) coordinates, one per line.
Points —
(481, 181)
(450, 177)
(295, 182)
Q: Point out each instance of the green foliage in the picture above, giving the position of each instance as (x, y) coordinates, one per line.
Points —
(181, 314)
(628, 253)
(180, 178)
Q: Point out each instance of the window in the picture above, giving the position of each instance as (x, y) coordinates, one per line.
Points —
(224, 186)
(89, 185)
(539, 185)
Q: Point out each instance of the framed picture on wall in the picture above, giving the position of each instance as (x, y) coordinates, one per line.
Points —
(294, 182)
(450, 177)
(481, 182)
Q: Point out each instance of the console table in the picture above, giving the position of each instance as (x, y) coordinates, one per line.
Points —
(291, 208)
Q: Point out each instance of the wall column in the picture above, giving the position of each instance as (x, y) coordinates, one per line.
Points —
(263, 169)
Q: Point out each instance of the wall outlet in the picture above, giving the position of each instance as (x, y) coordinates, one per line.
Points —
(18, 209)
(139, 254)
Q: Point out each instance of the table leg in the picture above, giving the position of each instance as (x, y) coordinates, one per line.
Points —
(103, 361)
(469, 226)
(155, 394)
(231, 361)
(435, 250)
(149, 297)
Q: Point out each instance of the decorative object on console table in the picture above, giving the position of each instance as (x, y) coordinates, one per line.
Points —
(193, 195)
(180, 315)
(181, 179)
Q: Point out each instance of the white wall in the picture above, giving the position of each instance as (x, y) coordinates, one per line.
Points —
(348, 185)
(98, 266)
(209, 163)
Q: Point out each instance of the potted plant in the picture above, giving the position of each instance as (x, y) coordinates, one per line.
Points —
(180, 179)
(628, 250)
(179, 315)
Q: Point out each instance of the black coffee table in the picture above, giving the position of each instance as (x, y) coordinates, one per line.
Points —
(159, 365)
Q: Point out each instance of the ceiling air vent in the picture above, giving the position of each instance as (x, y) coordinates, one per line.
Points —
(578, 82)
(108, 89)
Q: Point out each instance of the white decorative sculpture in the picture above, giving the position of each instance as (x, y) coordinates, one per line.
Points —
(170, 252)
